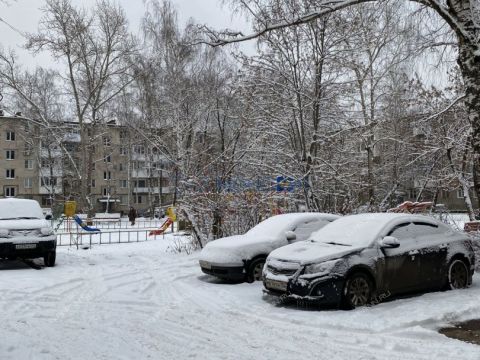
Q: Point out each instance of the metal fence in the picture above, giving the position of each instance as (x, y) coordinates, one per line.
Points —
(110, 224)
(104, 237)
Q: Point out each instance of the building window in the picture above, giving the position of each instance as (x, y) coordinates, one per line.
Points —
(142, 183)
(107, 175)
(10, 174)
(29, 164)
(10, 154)
(46, 200)
(460, 193)
(27, 183)
(123, 150)
(107, 141)
(107, 159)
(10, 136)
(120, 167)
(9, 191)
(139, 149)
(105, 191)
(139, 199)
(46, 163)
(123, 184)
(93, 182)
(139, 165)
(46, 181)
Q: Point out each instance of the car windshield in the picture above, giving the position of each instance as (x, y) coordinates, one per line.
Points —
(349, 231)
(20, 210)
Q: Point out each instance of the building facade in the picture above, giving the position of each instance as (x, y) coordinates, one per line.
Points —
(43, 163)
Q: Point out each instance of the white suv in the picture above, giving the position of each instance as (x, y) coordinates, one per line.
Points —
(24, 233)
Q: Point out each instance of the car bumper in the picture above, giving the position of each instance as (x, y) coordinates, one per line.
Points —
(27, 248)
(234, 273)
(321, 291)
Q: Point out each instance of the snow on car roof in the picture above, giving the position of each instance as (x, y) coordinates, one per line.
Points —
(362, 229)
(280, 223)
(20, 208)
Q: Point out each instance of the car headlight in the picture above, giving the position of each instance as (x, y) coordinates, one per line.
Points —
(46, 231)
(321, 268)
(4, 233)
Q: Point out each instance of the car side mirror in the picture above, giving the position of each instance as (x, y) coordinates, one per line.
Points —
(291, 236)
(389, 242)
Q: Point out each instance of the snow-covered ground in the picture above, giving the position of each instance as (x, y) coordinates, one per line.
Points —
(141, 301)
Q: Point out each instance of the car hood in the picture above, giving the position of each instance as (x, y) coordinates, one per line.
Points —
(308, 252)
(233, 250)
(24, 224)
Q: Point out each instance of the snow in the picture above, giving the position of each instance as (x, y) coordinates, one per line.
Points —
(140, 301)
(24, 224)
(260, 240)
(276, 226)
(360, 230)
(12, 208)
(307, 252)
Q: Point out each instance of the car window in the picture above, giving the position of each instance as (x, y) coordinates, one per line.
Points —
(426, 229)
(305, 229)
(402, 231)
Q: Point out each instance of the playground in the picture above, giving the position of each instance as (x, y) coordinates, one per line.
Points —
(74, 229)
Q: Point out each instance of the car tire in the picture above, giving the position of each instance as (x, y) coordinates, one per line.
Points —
(49, 259)
(255, 270)
(458, 274)
(357, 291)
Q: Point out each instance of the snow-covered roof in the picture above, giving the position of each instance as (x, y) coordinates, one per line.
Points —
(362, 229)
(20, 208)
(278, 224)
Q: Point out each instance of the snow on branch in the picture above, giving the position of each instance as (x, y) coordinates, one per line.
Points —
(454, 102)
(227, 36)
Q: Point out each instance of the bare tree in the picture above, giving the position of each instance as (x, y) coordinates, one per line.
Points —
(460, 15)
(96, 48)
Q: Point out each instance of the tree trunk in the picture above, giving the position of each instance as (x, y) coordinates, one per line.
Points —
(469, 61)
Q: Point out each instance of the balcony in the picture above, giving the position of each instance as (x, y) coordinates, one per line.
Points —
(149, 173)
(153, 190)
(44, 190)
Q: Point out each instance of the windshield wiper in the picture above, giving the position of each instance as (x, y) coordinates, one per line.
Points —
(335, 243)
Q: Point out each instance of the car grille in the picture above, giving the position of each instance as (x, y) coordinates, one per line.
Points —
(20, 233)
(281, 271)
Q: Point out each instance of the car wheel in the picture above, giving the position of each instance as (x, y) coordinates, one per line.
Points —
(255, 270)
(49, 259)
(457, 274)
(357, 291)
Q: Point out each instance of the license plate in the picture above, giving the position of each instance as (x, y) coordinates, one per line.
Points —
(276, 285)
(25, 246)
(205, 264)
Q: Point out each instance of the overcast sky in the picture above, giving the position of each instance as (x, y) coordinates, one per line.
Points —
(25, 14)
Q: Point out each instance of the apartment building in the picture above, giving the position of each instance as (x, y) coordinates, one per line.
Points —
(43, 164)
